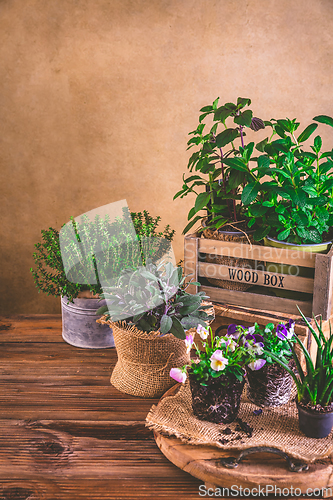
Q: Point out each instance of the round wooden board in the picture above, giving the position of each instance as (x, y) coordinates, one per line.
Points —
(264, 469)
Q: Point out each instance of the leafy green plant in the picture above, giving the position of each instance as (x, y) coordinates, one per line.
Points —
(50, 276)
(154, 298)
(315, 385)
(294, 203)
(219, 165)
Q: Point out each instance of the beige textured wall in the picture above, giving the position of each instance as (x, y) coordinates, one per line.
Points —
(97, 98)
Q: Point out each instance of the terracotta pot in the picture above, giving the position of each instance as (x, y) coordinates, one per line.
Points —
(79, 327)
(219, 401)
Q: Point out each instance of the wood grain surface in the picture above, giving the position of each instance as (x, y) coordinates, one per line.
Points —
(266, 470)
(66, 433)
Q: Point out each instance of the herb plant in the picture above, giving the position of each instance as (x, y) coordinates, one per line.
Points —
(315, 385)
(220, 166)
(154, 298)
(294, 203)
(50, 276)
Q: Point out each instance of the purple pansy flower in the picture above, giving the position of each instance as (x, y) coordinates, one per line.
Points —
(188, 342)
(232, 330)
(258, 348)
(178, 375)
(258, 338)
(257, 364)
(290, 325)
(283, 333)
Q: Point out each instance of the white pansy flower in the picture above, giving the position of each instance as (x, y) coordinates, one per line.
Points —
(203, 332)
(218, 361)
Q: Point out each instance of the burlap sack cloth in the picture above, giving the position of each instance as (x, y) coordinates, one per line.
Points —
(145, 360)
(229, 260)
(274, 427)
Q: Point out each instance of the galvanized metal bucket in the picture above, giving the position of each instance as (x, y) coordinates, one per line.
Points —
(79, 327)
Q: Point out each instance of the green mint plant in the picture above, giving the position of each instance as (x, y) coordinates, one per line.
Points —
(221, 164)
(50, 276)
(154, 298)
(294, 203)
(315, 385)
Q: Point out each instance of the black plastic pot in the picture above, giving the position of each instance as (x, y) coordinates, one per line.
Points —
(219, 401)
(313, 423)
(269, 386)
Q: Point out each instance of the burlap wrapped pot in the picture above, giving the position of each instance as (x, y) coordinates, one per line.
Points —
(145, 360)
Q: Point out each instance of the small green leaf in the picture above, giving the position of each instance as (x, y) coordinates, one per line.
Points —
(263, 163)
(206, 109)
(243, 101)
(178, 194)
(257, 210)
(221, 223)
(261, 232)
(236, 163)
(222, 113)
(279, 130)
(215, 103)
(244, 118)
(307, 132)
(166, 324)
(280, 209)
(191, 224)
(261, 145)
(227, 136)
(250, 192)
(102, 310)
(310, 190)
(283, 235)
(177, 329)
(301, 198)
(201, 201)
(317, 143)
(268, 204)
(324, 119)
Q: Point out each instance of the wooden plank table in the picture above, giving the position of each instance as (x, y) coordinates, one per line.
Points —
(66, 433)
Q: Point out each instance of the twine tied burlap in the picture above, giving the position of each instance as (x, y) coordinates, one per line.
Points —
(274, 427)
(145, 360)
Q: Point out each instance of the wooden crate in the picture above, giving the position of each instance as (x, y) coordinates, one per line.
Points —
(319, 288)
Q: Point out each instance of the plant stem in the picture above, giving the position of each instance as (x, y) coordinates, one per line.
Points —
(222, 168)
(234, 207)
(241, 134)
